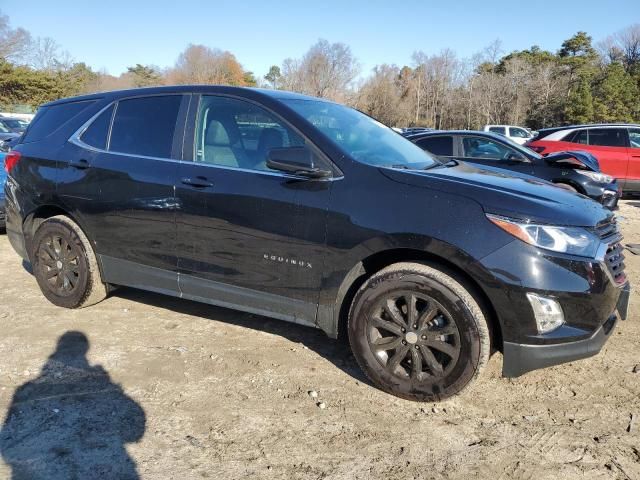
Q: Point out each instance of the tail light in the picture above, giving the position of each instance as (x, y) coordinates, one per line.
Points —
(11, 160)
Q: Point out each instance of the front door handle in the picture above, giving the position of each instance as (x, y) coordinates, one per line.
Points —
(198, 182)
(81, 164)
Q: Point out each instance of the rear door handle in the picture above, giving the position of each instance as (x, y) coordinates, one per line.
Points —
(198, 182)
(80, 164)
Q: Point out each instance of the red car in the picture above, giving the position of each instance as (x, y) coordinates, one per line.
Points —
(617, 148)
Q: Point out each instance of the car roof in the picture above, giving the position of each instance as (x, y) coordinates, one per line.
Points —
(242, 91)
(587, 125)
(436, 133)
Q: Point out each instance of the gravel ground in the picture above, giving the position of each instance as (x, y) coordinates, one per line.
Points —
(145, 386)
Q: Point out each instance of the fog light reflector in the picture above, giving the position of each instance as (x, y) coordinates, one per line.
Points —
(547, 311)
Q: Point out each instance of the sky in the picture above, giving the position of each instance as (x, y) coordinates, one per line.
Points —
(112, 35)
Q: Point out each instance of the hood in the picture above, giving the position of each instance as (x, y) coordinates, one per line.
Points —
(578, 158)
(507, 193)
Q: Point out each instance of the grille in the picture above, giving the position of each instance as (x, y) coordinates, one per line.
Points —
(614, 258)
(607, 228)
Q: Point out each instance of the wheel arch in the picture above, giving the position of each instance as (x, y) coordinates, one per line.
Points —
(567, 181)
(375, 262)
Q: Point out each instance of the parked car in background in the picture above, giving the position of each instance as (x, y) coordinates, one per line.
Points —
(7, 145)
(573, 170)
(616, 146)
(413, 130)
(519, 135)
(14, 125)
(329, 219)
(3, 179)
(6, 134)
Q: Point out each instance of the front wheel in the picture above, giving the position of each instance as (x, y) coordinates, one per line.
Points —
(65, 265)
(417, 333)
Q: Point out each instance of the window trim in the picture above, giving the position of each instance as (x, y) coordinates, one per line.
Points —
(189, 144)
(76, 140)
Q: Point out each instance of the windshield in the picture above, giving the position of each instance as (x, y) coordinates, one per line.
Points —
(361, 137)
(4, 129)
(524, 150)
(11, 123)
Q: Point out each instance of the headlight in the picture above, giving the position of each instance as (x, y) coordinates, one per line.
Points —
(596, 176)
(571, 240)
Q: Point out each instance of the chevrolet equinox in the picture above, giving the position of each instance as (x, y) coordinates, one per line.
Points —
(304, 210)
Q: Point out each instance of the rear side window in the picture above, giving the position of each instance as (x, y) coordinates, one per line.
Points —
(442, 146)
(50, 119)
(145, 126)
(500, 130)
(608, 137)
(579, 136)
(96, 134)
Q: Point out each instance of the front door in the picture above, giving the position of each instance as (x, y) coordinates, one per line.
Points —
(248, 237)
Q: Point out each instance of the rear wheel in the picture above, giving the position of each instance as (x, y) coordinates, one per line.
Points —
(418, 333)
(65, 266)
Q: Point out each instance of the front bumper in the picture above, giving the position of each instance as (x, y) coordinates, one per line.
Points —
(585, 288)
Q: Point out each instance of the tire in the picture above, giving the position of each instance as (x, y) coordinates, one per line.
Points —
(566, 186)
(65, 265)
(444, 347)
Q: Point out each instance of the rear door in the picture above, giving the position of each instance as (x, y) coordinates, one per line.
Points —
(119, 179)
(633, 171)
(248, 237)
(610, 146)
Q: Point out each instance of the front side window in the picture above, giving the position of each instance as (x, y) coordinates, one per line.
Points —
(145, 126)
(360, 136)
(485, 148)
(500, 130)
(96, 134)
(239, 134)
(608, 137)
(442, 146)
(634, 137)
(518, 132)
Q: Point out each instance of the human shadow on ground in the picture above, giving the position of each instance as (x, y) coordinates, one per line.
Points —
(72, 421)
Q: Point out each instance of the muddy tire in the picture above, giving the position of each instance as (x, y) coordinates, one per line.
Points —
(417, 333)
(65, 265)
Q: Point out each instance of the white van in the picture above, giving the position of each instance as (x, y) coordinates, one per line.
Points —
(519, 135)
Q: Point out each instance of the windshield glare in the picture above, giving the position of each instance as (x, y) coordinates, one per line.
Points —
(361, 137)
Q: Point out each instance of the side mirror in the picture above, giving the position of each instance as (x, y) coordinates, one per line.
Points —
(516, 157)
(295, 160)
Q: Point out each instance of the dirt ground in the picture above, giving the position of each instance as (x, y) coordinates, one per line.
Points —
(174, 389)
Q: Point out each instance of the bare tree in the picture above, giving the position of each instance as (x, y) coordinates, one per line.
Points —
(14, 43)
(326, 70)
(203, 65)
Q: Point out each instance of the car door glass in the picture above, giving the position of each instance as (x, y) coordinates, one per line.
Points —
(235, 133)
(96, 134)
(579, 136)
(500, 130)
(634, 137)
(608, 137)
(484, 148)
(442, 145)
(145, 126)
(518, 132)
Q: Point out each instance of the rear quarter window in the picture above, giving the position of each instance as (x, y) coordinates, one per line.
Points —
(49, 119)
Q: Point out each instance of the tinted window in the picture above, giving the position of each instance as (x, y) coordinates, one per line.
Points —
(145, 126)
(518, 132)
(500, 130)
(96, 134)
(608, 137)
(485, 148)
(442, 146)
(634, 137)
(49, 119)
(360, 136)
(579, 136)
(234, 133)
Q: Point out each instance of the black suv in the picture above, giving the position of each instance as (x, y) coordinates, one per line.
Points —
(308, 211)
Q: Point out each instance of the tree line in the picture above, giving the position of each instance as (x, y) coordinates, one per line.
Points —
(581, 82)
